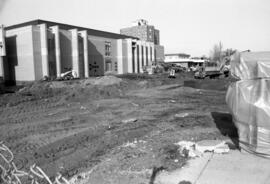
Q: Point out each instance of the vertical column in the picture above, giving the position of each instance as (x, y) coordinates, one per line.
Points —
(2, 50)
(129, 55)
(139, 43)
(75, 52)
(44, 49)
(135, 58)
(85, 53)
(144, 53)
(120, 56)
(148, 54)
(138, 57)
(153, 54)
(1, 67)
(55, 31)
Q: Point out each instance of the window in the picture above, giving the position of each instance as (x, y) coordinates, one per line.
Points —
(108, 65)
(115, 67)
(107, 48)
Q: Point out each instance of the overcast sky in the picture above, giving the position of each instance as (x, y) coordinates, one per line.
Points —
(186, 26)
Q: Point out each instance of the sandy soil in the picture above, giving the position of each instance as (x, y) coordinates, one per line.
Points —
(112, 129)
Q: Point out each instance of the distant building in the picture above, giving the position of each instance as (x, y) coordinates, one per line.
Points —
(145, 32)
(183, 60)
(42, 48)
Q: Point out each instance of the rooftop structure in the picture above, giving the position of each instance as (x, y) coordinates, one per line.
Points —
(142, 30)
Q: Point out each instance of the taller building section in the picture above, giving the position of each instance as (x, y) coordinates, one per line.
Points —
(143, 31)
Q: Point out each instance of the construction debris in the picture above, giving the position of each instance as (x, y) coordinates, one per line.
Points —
(181, 115)
(192, 149)
(215, 146)
(187, 149)
(131, 120)
(134, 104)
(11, 173)
(134, 143)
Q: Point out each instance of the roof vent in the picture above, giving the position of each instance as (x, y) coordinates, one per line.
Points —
(140, 22)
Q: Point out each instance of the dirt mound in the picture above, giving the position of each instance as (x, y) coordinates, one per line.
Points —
(93, 93)
(102, 81)
(131, 76)
(208, 84)
(70, 91)
(58, 84)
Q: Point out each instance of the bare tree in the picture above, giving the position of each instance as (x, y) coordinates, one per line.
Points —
(216, 53)
(229, 52)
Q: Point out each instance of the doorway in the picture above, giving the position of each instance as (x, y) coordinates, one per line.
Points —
(10, 61)
(51, 55)
(108, 65)
(81, 57)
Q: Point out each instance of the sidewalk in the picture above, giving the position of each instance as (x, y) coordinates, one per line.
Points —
(234, 167)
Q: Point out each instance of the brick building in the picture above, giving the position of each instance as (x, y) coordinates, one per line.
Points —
(43, 48)
(149, 33)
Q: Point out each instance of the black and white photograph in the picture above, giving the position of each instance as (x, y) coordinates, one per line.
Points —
(134, 92)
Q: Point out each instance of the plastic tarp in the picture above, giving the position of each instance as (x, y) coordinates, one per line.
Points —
(251, 65)
(249, 101)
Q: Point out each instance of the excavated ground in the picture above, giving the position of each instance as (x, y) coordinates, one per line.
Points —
(112, 129)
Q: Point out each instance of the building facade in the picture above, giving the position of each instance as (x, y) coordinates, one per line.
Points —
(42, 48)
(148, 33)
(183, 60)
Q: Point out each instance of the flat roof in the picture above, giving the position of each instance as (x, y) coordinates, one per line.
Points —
(178, 54)
(92, 32)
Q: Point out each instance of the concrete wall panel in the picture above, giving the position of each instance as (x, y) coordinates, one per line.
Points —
(75, 51)
(125, 56)
(96, 50)
(37, 53)
(120, 58)
(84, 37)
(129, 56)
(24, 69)
(57, 52)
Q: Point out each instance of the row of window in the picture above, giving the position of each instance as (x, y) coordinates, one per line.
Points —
(108, 48)
(108, 62)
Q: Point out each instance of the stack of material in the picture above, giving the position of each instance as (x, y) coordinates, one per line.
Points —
(249, 100)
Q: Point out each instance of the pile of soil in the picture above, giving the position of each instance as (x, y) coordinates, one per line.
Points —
(102, 81)
(91, 93)
(208, 84)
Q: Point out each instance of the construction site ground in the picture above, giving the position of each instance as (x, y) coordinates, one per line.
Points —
(112, 129)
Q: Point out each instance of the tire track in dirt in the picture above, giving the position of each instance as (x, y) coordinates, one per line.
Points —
(94, 143)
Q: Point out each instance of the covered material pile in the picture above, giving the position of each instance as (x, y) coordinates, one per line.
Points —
(249, 100)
